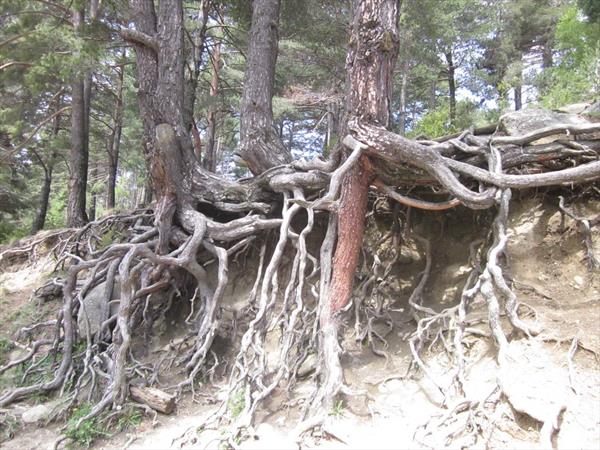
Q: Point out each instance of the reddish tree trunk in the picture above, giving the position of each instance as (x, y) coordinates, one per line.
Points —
(370, 63)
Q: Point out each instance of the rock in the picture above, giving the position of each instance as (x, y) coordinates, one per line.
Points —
(521, 122)
(555, 223)
(49, 291)
(592, 112)
(308, 366)
(575, 108)
(93, 308)
(39, 413)
(578, 281)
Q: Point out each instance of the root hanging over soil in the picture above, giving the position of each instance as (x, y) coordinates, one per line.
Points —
(300, 297)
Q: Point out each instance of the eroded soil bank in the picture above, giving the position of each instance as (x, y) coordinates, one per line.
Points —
(557, 370)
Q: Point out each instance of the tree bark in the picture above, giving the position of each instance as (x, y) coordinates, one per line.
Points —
(370, 63)
(48, 168)
(451, 85)
(209, 161)
(94, 195)
(402, 106)
(40, 218)
(78, 157)
(518, 88)
(518, 96)
(371, 57)
(260, 147)
(114, 141)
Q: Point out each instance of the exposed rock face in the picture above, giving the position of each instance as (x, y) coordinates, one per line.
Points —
(95, 308)
(521, 122)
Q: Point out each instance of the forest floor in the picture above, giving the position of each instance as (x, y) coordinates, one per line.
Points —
(549, 273)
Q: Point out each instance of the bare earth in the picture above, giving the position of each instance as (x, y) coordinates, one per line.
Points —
(549, 273)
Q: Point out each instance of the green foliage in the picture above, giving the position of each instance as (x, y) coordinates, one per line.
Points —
(576, 77)
(9, 425)
(131, 418)
(338, 409)
(236, 403)
(6, 347)
(436, 122)
(98, 427)
(591, 8)
(89, 430)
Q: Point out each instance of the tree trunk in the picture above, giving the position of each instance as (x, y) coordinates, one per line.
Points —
(210, 161)
(518, 88)
(260, 147)
(78, 157)
(518, 96)
(402, 106)
(40, 218)
(370, 62)
(94, 196)
(451, 86)
(114, 141)
(547, 57)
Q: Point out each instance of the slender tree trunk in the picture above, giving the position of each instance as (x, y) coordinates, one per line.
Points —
(432, 101)
(78, 157)
(40, 218)
(518, 88)
(370, 62)
(94, 196)
(518, 96)
(451, 85)
(402, 106)
(260, 146)
(547, 57)
(147, 197)
(210, 161)
(114, 141)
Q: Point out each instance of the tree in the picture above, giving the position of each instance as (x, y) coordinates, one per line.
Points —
(260, 147)
(81, 93)
(200, 217)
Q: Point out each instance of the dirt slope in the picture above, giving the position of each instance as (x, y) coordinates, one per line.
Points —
(549, 273)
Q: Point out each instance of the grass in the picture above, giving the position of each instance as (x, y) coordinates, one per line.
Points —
(98, 427)
(236, 403)
(338, 409)
(9, 425)
(6, 347)
(87, 432)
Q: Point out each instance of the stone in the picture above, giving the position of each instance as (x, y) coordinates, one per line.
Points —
(93, 308)
(592, 111)
(39, 413)
(308, 366)
(524, 121)
(575, 108)
(555, 223)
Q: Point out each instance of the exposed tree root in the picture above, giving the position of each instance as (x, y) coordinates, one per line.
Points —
(166, 261)
(585, 228)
